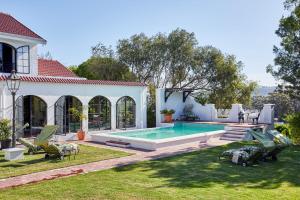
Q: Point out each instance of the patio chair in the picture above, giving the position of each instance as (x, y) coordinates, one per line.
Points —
(270, 148)
(61, 150)
(241, 117)
(281, 142)
(254, 117)
(272, 141)
(279, 138)
(32, 148)
(41, 140)
(45, 135)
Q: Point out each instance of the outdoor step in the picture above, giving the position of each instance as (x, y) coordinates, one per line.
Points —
(236, 132)
(236, 129)
(230, 139)
(117, 144)
(233, 135)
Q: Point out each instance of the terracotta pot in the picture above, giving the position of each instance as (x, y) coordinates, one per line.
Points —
(80, 135)
(168, 118)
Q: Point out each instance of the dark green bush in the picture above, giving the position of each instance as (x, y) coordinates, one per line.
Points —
(283, 128)
(293, 121)
(5, 131)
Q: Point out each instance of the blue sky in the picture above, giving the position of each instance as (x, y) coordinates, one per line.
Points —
(243, 28)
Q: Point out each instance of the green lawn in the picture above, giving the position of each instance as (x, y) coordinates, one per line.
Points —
(197, 175)
(37, 163)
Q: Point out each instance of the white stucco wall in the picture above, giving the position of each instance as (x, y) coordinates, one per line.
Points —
(206, 112)
(50, 93)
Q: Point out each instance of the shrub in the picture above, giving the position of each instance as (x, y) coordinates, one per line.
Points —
(167, 112)
(283, 128)
(293, 121)
(5, 131)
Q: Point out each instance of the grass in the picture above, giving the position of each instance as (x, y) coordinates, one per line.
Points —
(196, 175)
(37, 163)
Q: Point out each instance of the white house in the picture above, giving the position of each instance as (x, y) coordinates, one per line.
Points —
(48, 89)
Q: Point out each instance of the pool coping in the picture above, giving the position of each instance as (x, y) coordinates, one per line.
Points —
(154, 144)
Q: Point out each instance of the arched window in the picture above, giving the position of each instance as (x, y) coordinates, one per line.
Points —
(99, 113)
(64, 118)
(32, 110)
(7, 58)
(126, 112)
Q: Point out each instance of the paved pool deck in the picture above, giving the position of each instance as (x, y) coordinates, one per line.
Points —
(138, 155)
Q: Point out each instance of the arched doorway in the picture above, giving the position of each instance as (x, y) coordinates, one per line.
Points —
(7, 58)
(126, 112)
(63, 117)
(99, 113)
(32, 110)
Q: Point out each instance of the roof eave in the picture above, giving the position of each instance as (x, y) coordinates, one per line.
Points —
(23, 38)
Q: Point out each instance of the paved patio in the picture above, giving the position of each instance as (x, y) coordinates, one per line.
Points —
(137, 156)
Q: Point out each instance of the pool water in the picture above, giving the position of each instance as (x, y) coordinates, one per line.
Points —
(179, 129)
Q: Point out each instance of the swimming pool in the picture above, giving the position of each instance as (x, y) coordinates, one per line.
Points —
(154, 138)
(179, 129)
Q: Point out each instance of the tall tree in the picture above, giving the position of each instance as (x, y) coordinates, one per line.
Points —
(164, 60)
(287, 60)
(226, 83)
(104, 68)
(103, 65)
(284, 105)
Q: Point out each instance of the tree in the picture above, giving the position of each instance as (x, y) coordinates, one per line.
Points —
(103, 65)
(284, 105)
(225, 83)
(163, 60)
(100, 50)
(176, 61)
(171, 60)
(73, 68)
(104, 69)
(287, 60)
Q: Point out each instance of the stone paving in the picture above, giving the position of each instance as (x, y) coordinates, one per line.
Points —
(138, 155)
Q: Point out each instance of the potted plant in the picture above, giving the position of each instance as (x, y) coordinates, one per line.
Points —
(5, 133)
(168, 114)
(77, 114)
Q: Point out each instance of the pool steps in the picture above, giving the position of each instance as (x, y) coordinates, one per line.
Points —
(236, 133)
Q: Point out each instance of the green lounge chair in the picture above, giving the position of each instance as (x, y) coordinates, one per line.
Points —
(279, 138)
(273, 143)
(32, 148)
(41, 140)
(45, 135)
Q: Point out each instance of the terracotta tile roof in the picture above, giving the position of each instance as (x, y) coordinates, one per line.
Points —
(8, 24)
(45, 79)
(53, 68)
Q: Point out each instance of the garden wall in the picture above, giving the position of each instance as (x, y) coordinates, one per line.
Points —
(205, 112)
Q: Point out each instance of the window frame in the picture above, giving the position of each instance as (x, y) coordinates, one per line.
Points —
(126, 100)
(17, 60)
(14, 61)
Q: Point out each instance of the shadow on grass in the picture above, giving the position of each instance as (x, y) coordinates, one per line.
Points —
(29, 162)
(203, 169)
